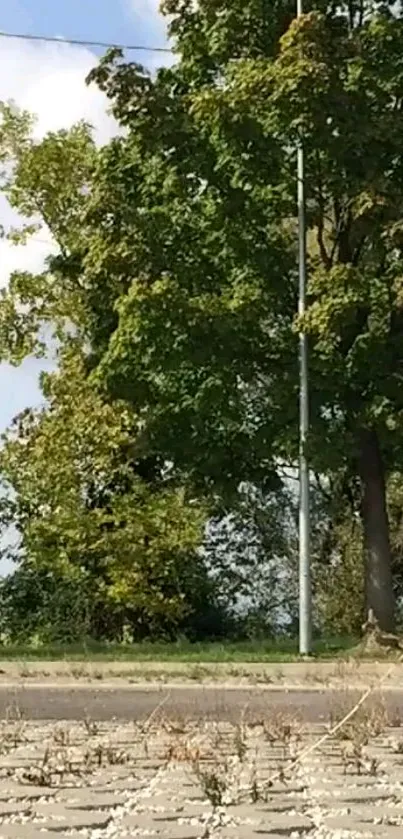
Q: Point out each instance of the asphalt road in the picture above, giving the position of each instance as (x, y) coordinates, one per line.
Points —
(70, 703)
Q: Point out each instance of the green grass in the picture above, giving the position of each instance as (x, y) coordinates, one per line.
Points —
(182, 651)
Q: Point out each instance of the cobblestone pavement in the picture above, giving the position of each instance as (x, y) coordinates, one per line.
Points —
(174, 779)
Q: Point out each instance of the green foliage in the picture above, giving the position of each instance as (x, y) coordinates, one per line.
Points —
(340, 588)
(86, 519)
(252, 556)
(204, 340)
(45, 606)
(177, 270)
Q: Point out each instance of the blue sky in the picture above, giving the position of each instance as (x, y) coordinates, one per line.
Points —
(49, 80)
(105, 20)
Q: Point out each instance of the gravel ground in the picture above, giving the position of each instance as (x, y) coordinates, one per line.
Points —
(172, 778)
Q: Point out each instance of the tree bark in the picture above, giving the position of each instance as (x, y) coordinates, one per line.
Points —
(378, 571)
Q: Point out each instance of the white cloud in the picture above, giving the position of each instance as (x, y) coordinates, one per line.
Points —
(47, 80)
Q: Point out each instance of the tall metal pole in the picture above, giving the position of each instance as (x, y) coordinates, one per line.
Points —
(305, 629)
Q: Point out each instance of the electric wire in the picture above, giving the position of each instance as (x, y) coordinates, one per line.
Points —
(84, 43)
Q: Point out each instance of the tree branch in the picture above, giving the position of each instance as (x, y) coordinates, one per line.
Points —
(321, 219)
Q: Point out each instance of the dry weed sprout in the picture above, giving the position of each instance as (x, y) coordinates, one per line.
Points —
(229, 768)
(355, 756)
(105, 755)
(368, 723)
(187, 744)
(91, 727)
(216, 738)
(14, 713)
(56, 767)
(395, 745)
(213, 782)
(240, 743)
(145, 728)
(282, 729)
(178, 748)
(182, 750)
(64, 763)
(12, 731)
(213, 758)
(174, 727)
(256, 791)
(61, 736)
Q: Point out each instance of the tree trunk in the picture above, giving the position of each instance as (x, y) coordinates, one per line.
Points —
(378, 572)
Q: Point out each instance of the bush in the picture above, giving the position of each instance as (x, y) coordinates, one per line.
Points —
(340, 585)
(49, 607)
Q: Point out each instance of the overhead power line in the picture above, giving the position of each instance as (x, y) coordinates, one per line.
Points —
(82, 43)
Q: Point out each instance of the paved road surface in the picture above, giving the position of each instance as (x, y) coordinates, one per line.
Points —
(57, 703)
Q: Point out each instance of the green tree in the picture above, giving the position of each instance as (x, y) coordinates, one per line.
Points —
(178, 265)
(252, 555)
(86, 519)
(333, 81)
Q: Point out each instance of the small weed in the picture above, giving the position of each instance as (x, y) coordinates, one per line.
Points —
(264, 678)
(217, 739)
(373, 766)
(395, 718)
(257, 792)
(91, 727)
(55, 764)
(39, 774)
(280, 728)
(281, 774)
(176, 727)
(105, 755)
(79, 671)
(61, 736)
(367, 723)
(98, 675)
(198, 673)
(182, 751)
(24, 672)
(212, 783)
(240, 742)
(235, 672)
(341, 670)
(352, 755)
(13, 730)
(396, 746)
(254, 792)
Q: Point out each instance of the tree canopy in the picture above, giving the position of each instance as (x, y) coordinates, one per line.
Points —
(177, 264)
(83, 513)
